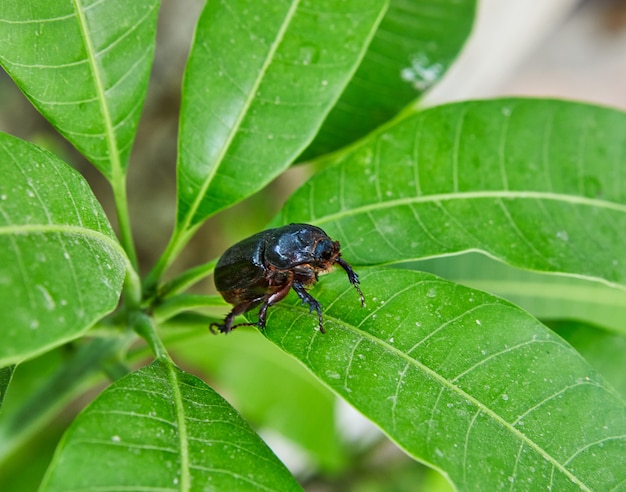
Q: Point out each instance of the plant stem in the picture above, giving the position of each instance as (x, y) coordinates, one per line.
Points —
(145, 327)
(118, 183)
(177, 242)
(132, 288)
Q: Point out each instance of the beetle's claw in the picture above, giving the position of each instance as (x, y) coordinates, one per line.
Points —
(221, 328)
(226, 328)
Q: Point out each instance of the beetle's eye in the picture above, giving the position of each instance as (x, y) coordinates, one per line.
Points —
(324, 250)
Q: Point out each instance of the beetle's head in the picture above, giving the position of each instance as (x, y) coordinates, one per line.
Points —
(325, 252)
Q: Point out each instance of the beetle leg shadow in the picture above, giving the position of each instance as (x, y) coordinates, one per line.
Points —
(311, 301)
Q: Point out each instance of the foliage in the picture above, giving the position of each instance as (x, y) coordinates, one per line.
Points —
(461, 380)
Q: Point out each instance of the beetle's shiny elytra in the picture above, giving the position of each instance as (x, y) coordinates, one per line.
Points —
(263, 268)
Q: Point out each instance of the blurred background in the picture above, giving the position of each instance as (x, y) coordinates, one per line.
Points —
(570, 49)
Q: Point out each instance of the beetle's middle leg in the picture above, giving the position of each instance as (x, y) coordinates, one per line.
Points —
(277, 296)
(311, 301)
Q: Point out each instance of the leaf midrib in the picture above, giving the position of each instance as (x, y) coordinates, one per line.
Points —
(191, 212)
(25, 229)
(185, 470)
(473, 195)
(109, 131)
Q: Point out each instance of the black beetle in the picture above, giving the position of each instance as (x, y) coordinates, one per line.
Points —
(263, 268)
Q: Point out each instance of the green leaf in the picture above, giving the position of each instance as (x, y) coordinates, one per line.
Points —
(534, 183)
(6, 373)
(162, 429)
(241, 366)
(85, 66)
(62, 267)
(259, 81)
(545, 296)
(414, 46)
(461, 380)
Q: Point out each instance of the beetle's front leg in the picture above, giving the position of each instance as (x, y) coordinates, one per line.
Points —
(352, 277)
(311, 301)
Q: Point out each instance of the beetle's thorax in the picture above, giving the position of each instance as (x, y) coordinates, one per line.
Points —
(298, 245)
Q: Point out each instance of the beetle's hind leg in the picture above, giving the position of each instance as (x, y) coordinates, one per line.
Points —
(311, 301)
(227, 326)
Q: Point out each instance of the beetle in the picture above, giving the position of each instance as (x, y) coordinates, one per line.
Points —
(263, 268)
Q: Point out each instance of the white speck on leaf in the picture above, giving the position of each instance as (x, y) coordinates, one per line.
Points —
(48, 300)
(333, 374)
(422, 72)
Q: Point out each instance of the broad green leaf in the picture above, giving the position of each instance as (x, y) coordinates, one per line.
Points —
(535, 183)
(545, 296)
(241, 366)
(414, 46)
(162, 429)
(260, 78)
(6, 373)
(62, 267)
(84, 64)
(463, 381)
